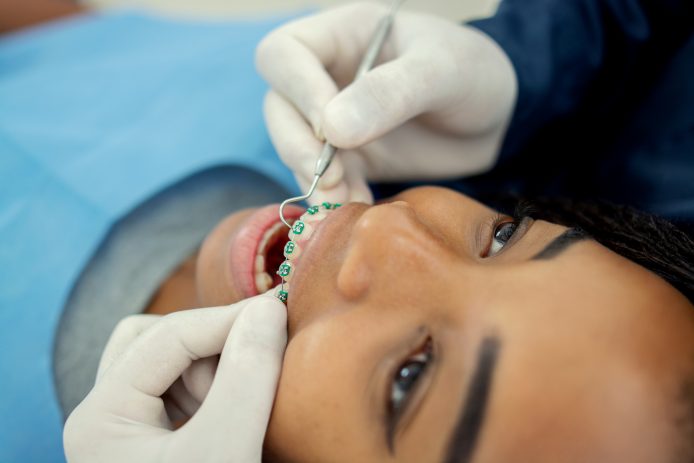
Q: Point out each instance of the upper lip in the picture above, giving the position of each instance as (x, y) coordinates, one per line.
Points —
(331, 231)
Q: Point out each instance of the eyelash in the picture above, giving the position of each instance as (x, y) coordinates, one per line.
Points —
(524, 210)
(499, 222)
(414, 367)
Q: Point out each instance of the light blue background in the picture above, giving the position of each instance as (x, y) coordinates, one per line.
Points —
(96, 115)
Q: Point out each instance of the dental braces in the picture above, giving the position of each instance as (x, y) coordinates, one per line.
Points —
(296, 229)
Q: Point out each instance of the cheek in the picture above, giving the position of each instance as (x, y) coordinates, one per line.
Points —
(304, 409)
(321, 398)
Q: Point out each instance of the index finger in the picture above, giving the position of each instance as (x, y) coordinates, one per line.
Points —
(303, 59)
(162, 353)
(242, 393)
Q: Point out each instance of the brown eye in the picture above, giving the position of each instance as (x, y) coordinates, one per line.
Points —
(501, 235)
(406, 377)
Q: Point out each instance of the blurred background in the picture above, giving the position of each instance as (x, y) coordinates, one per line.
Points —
(219, 8)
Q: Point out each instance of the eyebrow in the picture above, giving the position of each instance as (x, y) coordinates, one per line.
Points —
(561, 243)
(464, 438)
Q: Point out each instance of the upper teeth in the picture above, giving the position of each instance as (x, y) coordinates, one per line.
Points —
(300, 231)
(291, 250)
(263, 280)
(266, 238)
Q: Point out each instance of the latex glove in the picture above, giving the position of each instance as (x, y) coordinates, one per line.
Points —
(124, 418)
(437, 108)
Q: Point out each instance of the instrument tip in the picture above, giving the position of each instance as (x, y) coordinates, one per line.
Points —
(284, 221)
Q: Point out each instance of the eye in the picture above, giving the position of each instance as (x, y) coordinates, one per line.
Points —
(501, 235)
(406, 377)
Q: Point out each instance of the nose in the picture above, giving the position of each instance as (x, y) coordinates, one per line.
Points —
(389, 244)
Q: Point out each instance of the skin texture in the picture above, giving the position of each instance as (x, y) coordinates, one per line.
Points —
(592, 347)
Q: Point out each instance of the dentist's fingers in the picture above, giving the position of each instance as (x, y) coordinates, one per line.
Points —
(199, 377)
(164, 351)
(295, 58)
(189, 391)
(296, 144)
(388, 96)
(122, 337)
(356, 178)
(353, 186)
(309, 94)
(243, 391)
(298, 148)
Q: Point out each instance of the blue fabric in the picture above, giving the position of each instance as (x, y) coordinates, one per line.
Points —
(96, 115)
(606, 102)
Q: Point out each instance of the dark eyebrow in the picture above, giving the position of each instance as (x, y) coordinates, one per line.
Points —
(561, 243)
(462, 442)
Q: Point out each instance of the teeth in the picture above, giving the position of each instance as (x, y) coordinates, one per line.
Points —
(317, 217)
(263, 282)
(313, 214)
(301, 231)
(282, 293)
(291, 250)
(286, 271)
(270, 232)
(259, 263)
(330, 206)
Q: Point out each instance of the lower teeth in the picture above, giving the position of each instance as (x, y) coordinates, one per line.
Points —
(263, 282)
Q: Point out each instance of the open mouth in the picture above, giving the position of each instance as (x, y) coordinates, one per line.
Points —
(299, 234)
(255, 250)
(263, 253)
(269, 256)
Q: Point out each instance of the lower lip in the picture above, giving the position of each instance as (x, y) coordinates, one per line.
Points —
(244, 245)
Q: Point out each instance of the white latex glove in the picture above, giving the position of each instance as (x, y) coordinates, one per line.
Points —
(153, 365)
(437, 108)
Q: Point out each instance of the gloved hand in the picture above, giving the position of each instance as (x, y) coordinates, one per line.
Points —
(124, 418)
(438, 107)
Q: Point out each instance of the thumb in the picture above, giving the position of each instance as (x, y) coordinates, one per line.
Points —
(380, 100)
(233, 418)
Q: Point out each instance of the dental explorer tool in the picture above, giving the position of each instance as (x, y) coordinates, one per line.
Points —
(367, 62)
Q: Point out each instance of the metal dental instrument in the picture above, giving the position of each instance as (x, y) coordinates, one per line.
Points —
(367, 62)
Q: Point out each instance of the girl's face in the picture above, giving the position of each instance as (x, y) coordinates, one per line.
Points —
(428, 328)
